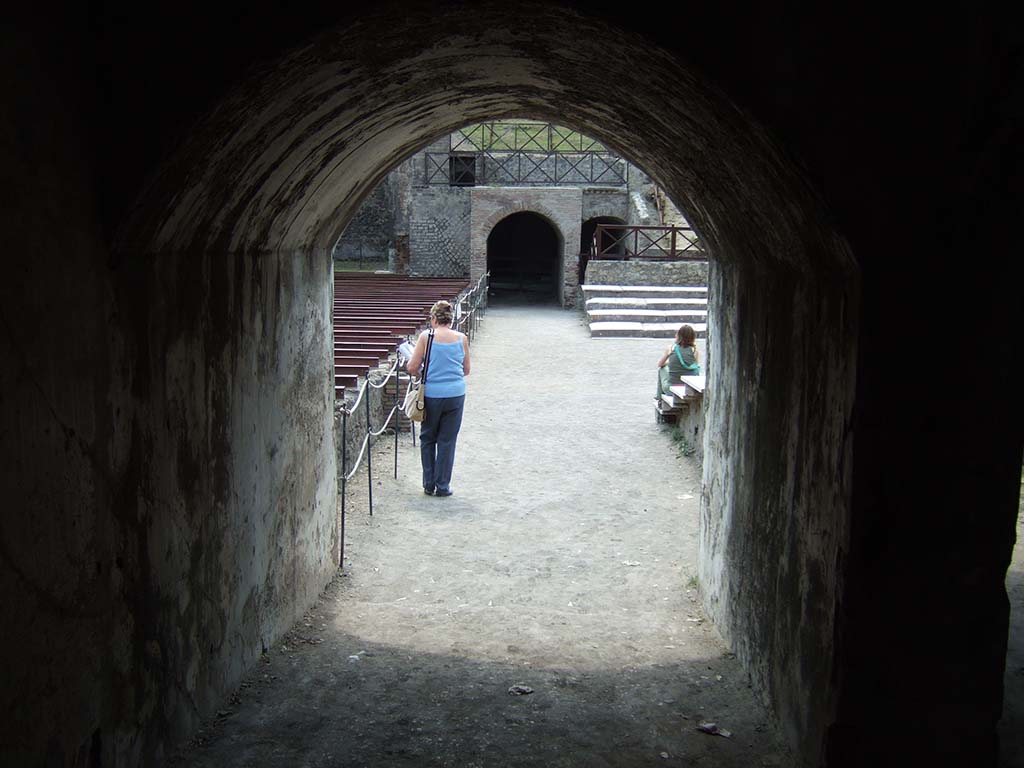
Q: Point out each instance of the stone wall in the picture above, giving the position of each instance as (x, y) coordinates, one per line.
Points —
(643, 209)
(168, 469)
(761, 500)
(423, 227)
(439, 231)
(402, 177)
(637, 272)
(690, 425)
(560, 206)
(370, 235)
(604, 202)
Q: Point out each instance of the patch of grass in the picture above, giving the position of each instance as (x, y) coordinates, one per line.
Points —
(691, 583)
(683, 446)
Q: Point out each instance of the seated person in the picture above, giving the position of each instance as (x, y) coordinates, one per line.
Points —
(680, 359)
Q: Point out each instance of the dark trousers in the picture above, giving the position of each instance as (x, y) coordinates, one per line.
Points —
(438, 433)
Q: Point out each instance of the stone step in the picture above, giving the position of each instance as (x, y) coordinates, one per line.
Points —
(678, 316)
(646, 330)
(644, 291)
(627, 302)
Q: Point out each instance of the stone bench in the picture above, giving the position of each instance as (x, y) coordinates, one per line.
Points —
(679, 398)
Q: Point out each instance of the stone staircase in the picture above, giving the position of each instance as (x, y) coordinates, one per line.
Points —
(645, 311)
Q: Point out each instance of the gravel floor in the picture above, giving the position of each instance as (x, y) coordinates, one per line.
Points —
(564, 562)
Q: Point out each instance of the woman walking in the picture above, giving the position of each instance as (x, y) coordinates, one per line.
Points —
(445, 395)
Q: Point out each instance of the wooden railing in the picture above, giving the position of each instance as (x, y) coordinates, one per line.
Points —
(628, 241)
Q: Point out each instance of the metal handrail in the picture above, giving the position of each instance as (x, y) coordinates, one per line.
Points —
(528, 167)
(527, 135)
(468, 322)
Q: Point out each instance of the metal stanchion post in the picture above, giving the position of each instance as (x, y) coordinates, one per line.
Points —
(344, 482)
(398, 414)
(369, 451)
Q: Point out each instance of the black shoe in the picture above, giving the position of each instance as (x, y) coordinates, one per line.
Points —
(439, 492)
(429, 491)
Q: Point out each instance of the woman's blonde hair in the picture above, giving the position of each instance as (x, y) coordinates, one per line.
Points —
(442, 312)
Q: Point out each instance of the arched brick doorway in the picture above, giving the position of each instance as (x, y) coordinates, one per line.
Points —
(523, 252)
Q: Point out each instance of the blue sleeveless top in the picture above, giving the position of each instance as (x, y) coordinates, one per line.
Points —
(444, 376)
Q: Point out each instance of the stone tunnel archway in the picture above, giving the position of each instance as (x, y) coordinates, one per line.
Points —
(211, 477)
(284, 188)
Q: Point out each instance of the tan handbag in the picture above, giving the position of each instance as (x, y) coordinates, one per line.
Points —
(414, 405)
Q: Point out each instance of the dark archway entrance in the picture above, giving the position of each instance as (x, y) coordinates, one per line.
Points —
(522, 256)
(586, 237)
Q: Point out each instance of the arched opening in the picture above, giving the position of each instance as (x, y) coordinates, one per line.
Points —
(257, 210)
(297, 193)
(587, 232)
(201, 437)
(523, 254)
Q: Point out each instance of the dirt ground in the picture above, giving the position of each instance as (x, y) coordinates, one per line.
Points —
(564, 561)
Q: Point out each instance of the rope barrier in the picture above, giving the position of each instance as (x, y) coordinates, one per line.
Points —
(385, 424)
(368, 383)
(359, 459)
(467, 319)
(387, 376)
(369, 431)
(359, 398)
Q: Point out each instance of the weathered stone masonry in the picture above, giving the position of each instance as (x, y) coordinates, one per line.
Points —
(439, 232)
(443, 231)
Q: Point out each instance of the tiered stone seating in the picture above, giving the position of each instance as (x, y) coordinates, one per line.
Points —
(641, 310)
(374, 313)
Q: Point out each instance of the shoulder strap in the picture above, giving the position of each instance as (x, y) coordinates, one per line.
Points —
(426, 357)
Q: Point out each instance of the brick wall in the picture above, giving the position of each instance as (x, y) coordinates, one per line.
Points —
(439, 231)
(561, 206)
(605, 202)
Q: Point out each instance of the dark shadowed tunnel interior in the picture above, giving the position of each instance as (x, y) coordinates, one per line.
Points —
(523, 253)
(607, 243)
(174, 192)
